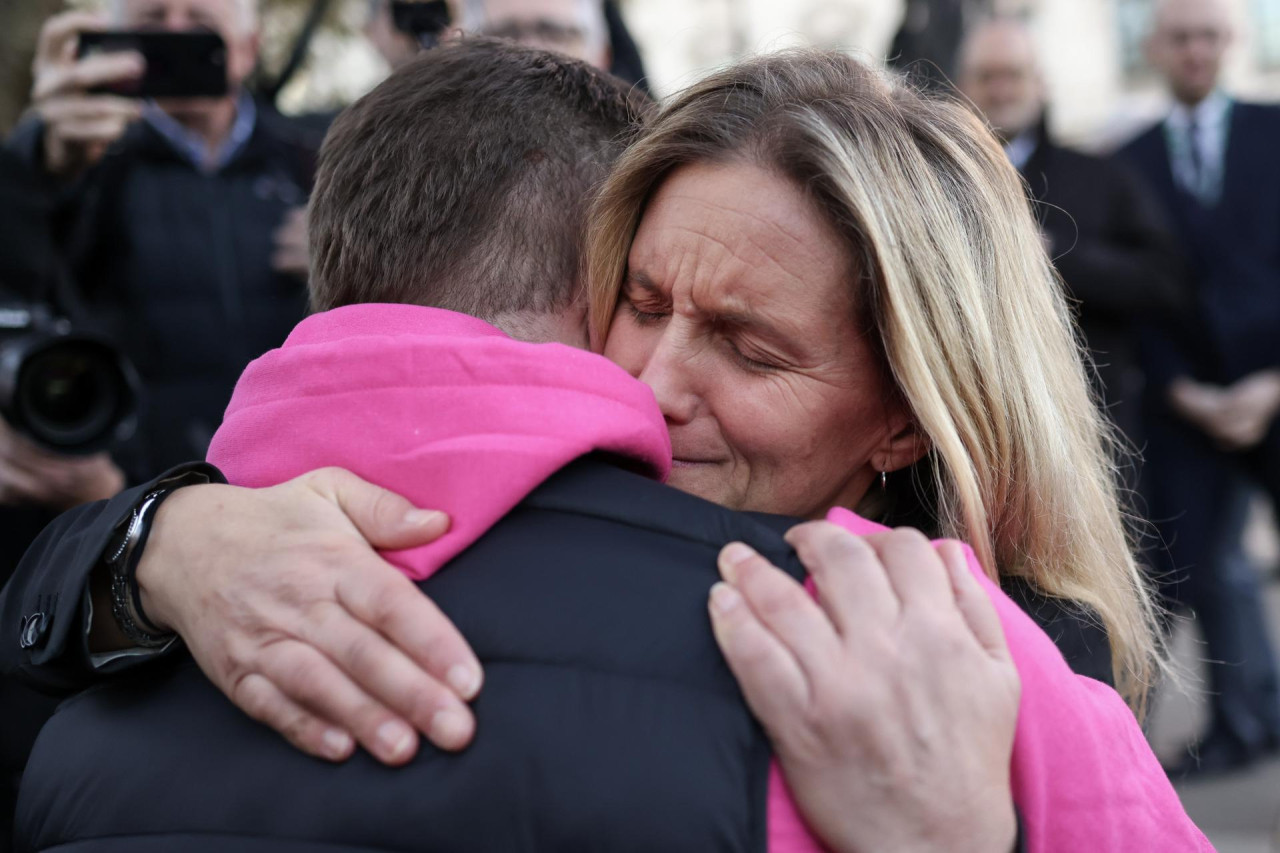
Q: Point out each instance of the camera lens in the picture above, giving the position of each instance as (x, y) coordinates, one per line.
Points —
(69, 394)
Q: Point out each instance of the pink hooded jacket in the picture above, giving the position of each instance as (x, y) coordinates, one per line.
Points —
(454, 415)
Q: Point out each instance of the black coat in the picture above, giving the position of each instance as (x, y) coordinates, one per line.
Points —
(608, 719)
(1116, 254)
(175, 264)
(1233, 248)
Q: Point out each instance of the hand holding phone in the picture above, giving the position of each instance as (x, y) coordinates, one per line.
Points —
(79, 125)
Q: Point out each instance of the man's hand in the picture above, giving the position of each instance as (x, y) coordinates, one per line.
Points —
(32, 476)
(291, 254)
(1251, 406)
(891, 703)
(1236, 417)
(1199, 403)
(286, 607)
(78, 126)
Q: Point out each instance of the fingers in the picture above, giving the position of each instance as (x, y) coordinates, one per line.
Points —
(391, 679)
(770, 677)
(60, 33)
(398, 610)
(972, 600)
(852, 585)
(914, 569)
(90, 108)
(87, 74)
(383, 518)
(264, 702)
(782, 606)
(311, 681)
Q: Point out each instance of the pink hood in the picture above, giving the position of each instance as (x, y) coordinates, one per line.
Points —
(454, 415)
(436, 406)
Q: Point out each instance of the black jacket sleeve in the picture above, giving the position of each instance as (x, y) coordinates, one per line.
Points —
(42, 612)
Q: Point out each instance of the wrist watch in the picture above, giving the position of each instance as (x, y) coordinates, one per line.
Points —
(121, 559)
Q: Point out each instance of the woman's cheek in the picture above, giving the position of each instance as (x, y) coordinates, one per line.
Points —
(625, 346)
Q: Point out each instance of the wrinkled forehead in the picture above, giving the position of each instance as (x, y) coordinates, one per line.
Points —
(567, 13)
(229, 15)
(999, 47)
(1182, 16)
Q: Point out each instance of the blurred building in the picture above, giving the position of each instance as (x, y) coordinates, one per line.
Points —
(1099, 84)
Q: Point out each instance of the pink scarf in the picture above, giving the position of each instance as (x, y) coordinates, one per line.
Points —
(449, 412)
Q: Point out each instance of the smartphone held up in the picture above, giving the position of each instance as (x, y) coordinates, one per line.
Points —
(178, 64)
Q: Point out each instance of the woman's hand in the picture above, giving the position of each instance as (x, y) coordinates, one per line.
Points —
(290, 612)
(891, 705)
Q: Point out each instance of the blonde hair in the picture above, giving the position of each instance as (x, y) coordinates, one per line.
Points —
(973, 324)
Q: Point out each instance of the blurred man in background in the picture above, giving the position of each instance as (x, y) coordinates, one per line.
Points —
(1214, 385)
(589, 30)
(1103, 229)
(576, 28)
(169, 217)
(177, 225)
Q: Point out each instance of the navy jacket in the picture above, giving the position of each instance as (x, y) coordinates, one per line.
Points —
(1234, 250)
(608, 720)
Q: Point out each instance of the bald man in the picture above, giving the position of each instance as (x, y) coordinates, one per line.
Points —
(1214, 384)
(1103, 228)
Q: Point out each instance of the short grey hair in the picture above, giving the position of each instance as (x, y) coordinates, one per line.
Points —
(246, 13)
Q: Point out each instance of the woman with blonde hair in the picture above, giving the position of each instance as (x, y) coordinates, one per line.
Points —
(838, 294)
(967, 319)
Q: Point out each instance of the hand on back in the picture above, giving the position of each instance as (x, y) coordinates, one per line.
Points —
(287, 608)
(891, 702)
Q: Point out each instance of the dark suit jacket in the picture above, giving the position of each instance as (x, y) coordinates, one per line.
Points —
(1116, 253)
(1234, 250)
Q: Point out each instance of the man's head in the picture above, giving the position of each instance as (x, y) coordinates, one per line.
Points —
(1000, 74)
(1188, 41)
(235, 20)
(576, 28)
(462, 182)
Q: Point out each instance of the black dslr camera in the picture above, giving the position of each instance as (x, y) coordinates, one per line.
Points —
(425, 20)
(68, 391)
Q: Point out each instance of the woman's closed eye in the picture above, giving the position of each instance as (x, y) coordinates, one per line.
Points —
(644, 317)
(751, 362)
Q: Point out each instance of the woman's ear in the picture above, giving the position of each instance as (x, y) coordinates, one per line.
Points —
(904, 446)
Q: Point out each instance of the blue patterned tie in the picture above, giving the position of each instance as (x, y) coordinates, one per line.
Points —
(1196, 157)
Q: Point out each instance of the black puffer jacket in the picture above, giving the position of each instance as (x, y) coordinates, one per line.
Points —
(176, 265)
(608, 720)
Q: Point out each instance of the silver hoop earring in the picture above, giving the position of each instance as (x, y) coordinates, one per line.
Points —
(884, 481)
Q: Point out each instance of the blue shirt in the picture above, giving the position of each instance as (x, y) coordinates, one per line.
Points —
(192, 146)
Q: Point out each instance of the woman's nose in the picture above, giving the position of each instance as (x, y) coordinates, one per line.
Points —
(669, 373)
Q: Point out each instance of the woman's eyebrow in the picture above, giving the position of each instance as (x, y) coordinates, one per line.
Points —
(643, 281)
